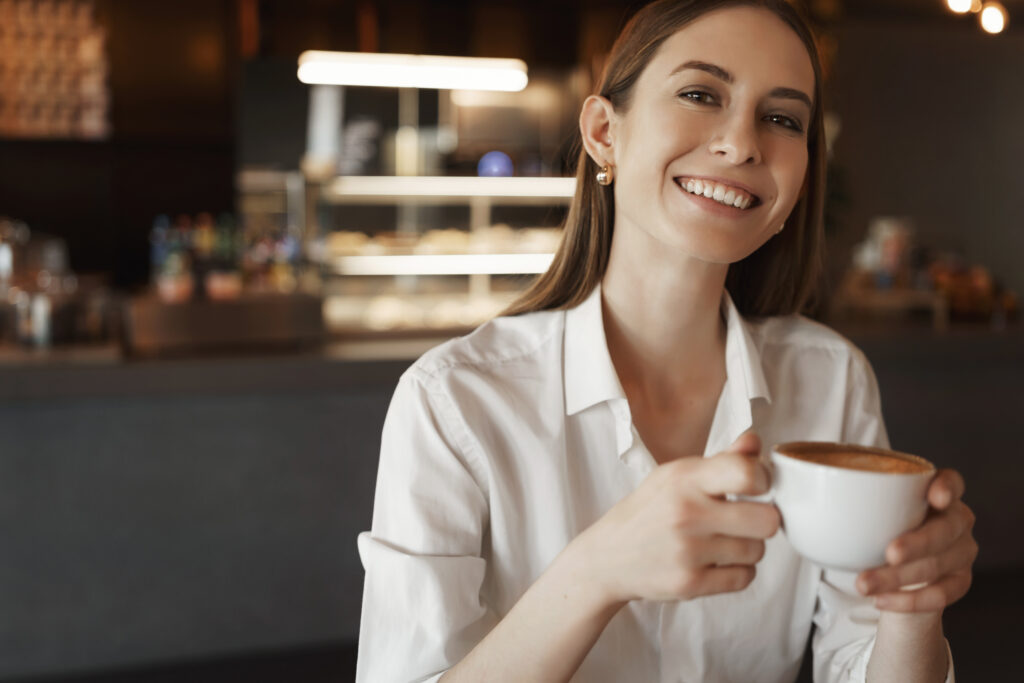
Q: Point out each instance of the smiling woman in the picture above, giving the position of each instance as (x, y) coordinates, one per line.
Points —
(547, 507)
(792, 261)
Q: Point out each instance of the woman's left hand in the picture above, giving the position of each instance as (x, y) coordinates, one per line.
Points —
(938, 553)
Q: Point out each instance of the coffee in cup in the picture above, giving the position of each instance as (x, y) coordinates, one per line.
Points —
(842, 504)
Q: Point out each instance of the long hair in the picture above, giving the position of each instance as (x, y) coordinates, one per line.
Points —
(780, 277)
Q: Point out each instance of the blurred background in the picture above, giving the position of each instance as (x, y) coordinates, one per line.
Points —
(212, 273)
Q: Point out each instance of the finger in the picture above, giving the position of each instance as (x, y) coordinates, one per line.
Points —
(748, 443)
(723, 580)
(722, 551)
(947, 486)
(923, 571)
(938, 533)
(732, 473)
(931, 598)
(741, 519)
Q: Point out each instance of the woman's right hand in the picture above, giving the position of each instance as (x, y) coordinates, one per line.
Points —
(676, 536)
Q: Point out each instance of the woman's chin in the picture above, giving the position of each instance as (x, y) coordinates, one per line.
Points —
(723, 251)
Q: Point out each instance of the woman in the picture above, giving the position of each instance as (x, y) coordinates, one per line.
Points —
(540, 514)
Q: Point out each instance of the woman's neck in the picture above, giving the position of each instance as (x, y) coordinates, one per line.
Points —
(663, 323)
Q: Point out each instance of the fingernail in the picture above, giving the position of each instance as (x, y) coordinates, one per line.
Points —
(883, 602)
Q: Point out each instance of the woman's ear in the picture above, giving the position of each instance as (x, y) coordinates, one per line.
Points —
(596, 129)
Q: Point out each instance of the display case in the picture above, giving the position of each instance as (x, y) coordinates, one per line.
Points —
(435, 274)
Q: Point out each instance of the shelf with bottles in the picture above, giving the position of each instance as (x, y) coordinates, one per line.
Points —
(198, 258)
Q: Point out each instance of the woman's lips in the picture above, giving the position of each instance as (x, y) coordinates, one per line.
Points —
(719, 206)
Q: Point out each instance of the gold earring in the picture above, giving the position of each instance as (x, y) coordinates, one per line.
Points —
(605, 176)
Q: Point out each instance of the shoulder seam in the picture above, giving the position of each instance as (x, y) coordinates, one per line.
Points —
(436, 369)
(449, 416)
(837, 343)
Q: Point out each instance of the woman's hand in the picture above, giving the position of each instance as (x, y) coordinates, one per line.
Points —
(938, 553)
(676, 536)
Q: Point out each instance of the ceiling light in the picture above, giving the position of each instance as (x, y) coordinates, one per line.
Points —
(993, 17)
(411, 71)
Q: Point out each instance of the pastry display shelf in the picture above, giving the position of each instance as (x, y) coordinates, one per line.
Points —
(480, 194)
(439, 264)
(417, 190)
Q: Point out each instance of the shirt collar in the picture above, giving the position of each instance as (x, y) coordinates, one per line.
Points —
(742, 356)
(590, 377)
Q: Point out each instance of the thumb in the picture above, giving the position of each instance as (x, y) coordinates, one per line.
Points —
(747, 443)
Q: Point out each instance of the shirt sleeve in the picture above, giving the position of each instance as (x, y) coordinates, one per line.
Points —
(845, 621)
(422, 611)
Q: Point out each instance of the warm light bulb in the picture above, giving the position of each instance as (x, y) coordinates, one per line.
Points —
(993, 17)
(959, 6)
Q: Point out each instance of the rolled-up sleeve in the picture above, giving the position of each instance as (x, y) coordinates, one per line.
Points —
(845, 621)
(422, 611)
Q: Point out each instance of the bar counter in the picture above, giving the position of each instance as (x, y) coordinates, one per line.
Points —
(159, 510)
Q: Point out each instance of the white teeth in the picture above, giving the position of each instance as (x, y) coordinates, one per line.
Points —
(723, 194)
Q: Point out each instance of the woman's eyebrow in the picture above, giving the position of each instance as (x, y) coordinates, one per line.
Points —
(723, 75)
(791, 94)
(713, 69)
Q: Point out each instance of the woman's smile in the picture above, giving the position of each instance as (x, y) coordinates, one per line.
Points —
(721, 192)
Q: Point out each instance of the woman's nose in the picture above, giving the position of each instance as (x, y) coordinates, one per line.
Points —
(737, 142)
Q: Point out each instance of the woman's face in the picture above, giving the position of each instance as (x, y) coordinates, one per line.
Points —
(723, 109)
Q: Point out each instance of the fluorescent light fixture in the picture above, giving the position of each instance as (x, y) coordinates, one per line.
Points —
(443, 264)
(411, 71)
(993, 17)
(452, 186)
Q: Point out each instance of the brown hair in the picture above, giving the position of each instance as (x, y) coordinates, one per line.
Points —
(791, 261)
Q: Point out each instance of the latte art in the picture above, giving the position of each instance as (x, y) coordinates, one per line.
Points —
(870, 462)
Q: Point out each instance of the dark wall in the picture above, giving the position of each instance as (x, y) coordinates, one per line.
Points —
(172, 75)
(931, 129)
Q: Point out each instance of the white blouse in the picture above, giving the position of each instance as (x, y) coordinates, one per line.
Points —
(502, 446)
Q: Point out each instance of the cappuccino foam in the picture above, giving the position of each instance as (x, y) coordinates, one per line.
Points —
(870, 462)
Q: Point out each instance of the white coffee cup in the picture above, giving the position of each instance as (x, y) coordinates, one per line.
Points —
(842, 518)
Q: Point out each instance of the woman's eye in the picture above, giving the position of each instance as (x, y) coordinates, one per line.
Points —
(786, 121)
(698, 96)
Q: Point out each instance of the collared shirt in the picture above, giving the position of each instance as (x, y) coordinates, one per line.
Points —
(502, 446)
